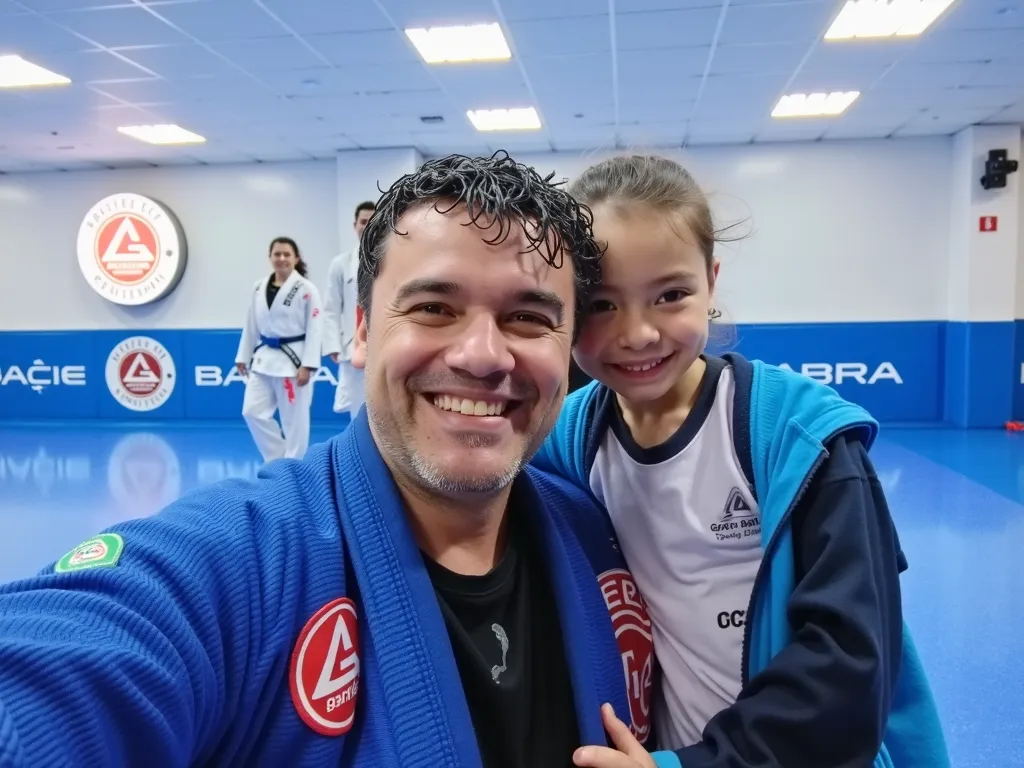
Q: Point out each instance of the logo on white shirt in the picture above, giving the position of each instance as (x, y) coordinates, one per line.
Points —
(738, 520)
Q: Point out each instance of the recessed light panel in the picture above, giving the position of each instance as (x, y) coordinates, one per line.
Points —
(15, 72)
(161, 134)
(815, 104)
(478, 42)
(872, 19)
(505, 119)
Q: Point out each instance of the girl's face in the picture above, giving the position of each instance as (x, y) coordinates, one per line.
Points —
(649, 318)
(283, 258)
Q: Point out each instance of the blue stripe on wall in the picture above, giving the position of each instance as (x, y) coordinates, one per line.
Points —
(1018, 371)
(922, 372)
(979, 373)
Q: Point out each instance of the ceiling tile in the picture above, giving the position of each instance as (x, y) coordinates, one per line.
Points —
(666, 29)
(46, 6)
(726, 132)
(29, 35)
(793, 130)
(388, 78)
(965, 97)
(583, 139)
(142, 91)
(514, 142)
(634, 6)
(1010, 115)
(868, 60)
(652, 134)
(365, 48)
(269, 54)
(117, 26)
(983, 14)
(567, 37)
(227, 20)
(495, 86)
(571, 79)
(907, 75)
(940, 121)
(677, 110)
(416, 13)
(178, 62)
(945, 45)
(998, 73)
(788, 23)
(89, 65)
(636, 67)
(531, 10)
(327, 16)
(765, 58)
(845, 130)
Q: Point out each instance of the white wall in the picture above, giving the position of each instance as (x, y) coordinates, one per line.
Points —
(839, 231)
(229, 213)
(362, 175)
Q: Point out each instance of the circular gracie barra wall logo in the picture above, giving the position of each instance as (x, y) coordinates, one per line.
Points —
(140, 373)
(632, 628)
(131, 249)
(324, 676)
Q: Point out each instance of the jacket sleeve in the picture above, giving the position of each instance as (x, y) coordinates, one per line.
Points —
(562, 452)
(312, 351)
(145, 661)
(825, 699)
(250, 333)
(334, 306)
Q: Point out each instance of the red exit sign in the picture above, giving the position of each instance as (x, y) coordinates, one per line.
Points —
(988, 224)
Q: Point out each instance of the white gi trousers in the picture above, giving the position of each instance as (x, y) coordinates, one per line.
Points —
(350, 393)
(266, 394)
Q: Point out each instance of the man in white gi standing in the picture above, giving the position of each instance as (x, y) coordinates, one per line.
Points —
(340, 318)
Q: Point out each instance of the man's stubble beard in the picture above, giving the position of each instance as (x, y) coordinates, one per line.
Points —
(427, 474)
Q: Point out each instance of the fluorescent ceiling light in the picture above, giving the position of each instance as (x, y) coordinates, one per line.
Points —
(15, 72)
(814, 104)
(479, 42)
(161, 134)
(505, 119)
(882, 18)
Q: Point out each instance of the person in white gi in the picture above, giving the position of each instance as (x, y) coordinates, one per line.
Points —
(340, 319)
(278, 354)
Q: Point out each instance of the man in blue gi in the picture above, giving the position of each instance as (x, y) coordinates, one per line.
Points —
(408, 594)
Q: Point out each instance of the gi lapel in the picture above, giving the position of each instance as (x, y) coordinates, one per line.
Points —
(430, 719)
(588, 635)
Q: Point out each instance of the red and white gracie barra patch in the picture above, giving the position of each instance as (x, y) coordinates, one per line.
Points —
(324, 676)
(632, 628)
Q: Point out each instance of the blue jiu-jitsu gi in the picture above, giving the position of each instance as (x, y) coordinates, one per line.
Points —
(288, 621)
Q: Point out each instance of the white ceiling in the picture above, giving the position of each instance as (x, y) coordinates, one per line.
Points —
(297, 79)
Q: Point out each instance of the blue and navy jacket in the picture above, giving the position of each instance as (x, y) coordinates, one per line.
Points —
(183, 651)
(830, 672)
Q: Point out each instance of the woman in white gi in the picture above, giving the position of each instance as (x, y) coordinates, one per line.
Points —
(278, 354)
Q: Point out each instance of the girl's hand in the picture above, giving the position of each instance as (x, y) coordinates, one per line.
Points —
(629, 752)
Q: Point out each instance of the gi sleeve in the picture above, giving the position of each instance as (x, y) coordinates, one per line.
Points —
(312, 348)
(825, 698)
(140, 648)
(334, 306)
(250, 333)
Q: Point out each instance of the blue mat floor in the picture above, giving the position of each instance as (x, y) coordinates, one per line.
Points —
(957, 498)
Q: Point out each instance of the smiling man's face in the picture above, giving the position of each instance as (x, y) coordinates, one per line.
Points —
(466, 352)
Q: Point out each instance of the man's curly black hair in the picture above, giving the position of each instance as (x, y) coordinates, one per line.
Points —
(496, 191)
